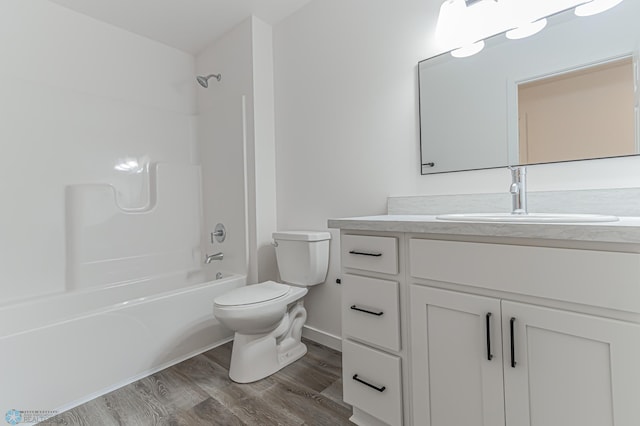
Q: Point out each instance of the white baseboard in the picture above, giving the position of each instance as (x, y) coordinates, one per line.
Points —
(327, 339)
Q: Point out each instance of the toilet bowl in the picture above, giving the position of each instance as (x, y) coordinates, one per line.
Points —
(268, 317)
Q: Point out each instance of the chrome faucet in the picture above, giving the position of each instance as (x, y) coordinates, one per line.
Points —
(215, 256)
(518, 190)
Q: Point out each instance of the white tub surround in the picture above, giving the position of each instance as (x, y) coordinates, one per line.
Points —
(61, 351)
(109, 106)
(113, 237)
(513, 321)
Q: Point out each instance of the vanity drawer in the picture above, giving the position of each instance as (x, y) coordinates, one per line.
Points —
(376, 254)
(370, 311)
(371, 382)
(591, 277)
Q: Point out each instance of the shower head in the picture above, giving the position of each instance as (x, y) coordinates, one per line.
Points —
(204, 81)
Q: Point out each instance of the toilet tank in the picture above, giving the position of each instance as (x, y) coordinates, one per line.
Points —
(303, 256)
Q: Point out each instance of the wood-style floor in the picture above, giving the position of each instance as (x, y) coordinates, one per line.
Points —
(198, 391)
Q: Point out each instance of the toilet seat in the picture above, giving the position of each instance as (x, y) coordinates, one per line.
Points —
(253, 294)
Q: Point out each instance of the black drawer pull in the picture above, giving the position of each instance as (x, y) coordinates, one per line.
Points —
(363, 253)
(513, 343)
(489, 355)
(355, 308)
(379, 389)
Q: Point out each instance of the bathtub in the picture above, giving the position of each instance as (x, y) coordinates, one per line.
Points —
(60, 351)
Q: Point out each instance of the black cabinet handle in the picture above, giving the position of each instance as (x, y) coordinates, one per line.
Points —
(355, 308)
(362, 253)
(513, 343)
(432, 164)
(488, 318)
(379, 389)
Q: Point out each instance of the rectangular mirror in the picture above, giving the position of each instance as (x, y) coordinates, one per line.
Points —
(568, 93)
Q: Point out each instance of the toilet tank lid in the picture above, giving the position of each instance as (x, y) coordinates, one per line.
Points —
(302, 236)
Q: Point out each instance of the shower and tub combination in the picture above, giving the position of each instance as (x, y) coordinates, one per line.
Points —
(137, 295)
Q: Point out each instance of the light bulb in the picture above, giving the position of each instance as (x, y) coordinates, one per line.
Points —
(527, 30)
(468, 50)
(596, 6)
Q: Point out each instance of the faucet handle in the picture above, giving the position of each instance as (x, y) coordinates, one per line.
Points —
(219, 234)
(518, 172)
(518, 189)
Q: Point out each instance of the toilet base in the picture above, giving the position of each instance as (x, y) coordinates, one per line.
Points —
(293, 354)
(255, 357)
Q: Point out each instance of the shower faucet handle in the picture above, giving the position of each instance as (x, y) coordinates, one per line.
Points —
(219, 233)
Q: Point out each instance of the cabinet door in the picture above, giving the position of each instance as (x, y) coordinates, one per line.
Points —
(455, 380)
(569, 369)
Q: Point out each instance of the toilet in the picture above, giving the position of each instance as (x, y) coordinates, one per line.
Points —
(268, 317)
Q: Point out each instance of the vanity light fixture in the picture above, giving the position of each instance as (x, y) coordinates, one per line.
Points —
(525, 18)
(463, 25)
(527, 30)
(468, 50)
(596, 6)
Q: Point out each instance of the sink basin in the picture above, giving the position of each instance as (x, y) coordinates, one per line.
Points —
(528, 218)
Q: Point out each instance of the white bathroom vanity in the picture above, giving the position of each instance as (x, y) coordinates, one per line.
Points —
(517, 324)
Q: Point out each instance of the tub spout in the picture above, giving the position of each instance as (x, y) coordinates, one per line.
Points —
(215, 256)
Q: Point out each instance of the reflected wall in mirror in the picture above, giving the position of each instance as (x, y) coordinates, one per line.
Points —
(586, 113)
(493, 109)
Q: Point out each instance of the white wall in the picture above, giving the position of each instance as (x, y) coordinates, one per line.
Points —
(77, 96)
(347, 133)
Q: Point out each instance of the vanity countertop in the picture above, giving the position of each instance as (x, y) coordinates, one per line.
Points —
(626, 230)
